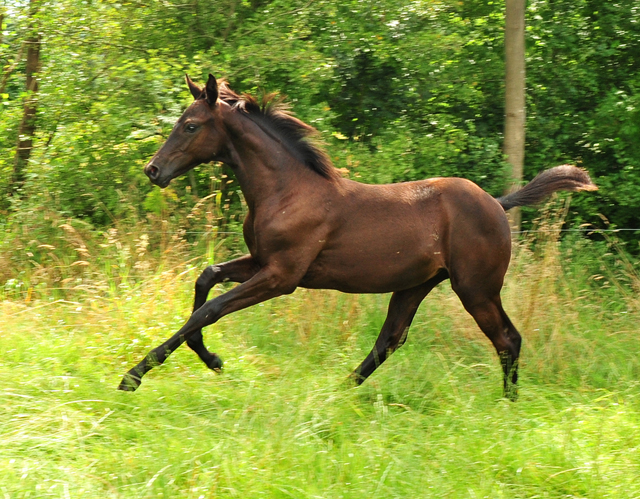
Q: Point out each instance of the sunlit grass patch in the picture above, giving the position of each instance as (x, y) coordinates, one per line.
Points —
(281, 421)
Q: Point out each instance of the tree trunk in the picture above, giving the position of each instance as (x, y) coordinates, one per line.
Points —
(28, 124)
(514, 123)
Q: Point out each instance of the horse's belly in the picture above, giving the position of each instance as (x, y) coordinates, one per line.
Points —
(364, 272)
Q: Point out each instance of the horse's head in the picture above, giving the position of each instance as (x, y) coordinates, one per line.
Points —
(196, 138)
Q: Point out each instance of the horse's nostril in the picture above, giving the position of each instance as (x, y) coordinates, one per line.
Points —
(152, 171)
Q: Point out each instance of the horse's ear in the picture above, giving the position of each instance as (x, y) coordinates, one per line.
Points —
(195, 90)
(211, 90)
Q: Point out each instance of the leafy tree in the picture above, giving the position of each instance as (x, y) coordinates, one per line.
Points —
(400, 90)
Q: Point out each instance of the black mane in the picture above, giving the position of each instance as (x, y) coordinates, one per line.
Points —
(273, 112)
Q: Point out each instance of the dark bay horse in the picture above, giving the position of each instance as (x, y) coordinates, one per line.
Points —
(307, 226)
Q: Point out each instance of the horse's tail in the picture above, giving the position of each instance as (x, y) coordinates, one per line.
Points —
(559, 178)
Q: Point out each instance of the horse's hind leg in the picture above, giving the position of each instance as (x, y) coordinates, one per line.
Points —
(240, 270)
(494, 322)
(402, 309)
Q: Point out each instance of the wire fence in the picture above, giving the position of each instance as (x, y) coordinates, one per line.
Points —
(591, 230)
(526, 231)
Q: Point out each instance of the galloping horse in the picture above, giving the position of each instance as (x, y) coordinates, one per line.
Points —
(307, 226)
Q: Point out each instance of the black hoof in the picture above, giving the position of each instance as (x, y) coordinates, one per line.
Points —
(215, 363)
(129, 383)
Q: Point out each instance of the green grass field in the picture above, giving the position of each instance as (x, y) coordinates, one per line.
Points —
(281, 421)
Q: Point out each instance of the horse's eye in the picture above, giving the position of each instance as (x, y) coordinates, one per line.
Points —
(190, 128)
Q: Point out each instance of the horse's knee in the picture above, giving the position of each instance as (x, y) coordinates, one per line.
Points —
(207, 279)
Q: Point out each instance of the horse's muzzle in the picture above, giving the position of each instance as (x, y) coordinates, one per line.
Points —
(152, 171)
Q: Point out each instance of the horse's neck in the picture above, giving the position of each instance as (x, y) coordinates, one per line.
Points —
(264, 167)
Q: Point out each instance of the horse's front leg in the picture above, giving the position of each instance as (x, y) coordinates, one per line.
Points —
(269, 282)
(239, 270)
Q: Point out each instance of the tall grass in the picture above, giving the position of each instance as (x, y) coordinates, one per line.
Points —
(281, 422)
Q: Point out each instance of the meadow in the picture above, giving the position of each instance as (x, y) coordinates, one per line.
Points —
(281, 421)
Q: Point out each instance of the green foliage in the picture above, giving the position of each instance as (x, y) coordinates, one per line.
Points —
(582, 81)
(399, 90)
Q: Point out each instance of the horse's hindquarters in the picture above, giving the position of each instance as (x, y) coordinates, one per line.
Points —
(479, 242)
